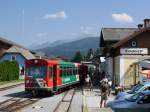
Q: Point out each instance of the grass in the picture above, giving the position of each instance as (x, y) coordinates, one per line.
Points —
(13, 81)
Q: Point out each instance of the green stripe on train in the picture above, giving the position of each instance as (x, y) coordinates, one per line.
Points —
(68, 79)
(66, 64)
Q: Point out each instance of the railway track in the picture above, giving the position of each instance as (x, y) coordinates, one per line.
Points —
(65, 103)
(12, 86)
(16, 103)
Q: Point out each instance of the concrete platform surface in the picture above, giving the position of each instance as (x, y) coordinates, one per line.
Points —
(91, 101)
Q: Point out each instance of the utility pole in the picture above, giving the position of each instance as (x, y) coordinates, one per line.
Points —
(23, 23)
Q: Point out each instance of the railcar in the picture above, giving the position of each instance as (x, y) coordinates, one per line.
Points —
(50, 75)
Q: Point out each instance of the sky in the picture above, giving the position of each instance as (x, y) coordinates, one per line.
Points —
(33, 22)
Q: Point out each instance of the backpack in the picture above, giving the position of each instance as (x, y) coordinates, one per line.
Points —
(104, 87)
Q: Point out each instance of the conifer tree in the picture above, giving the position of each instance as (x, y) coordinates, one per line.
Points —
(77, 57)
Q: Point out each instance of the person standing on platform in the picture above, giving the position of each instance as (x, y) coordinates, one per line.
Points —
(104, 93)
(110, 85)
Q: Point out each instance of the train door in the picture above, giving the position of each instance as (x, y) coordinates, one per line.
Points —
(54, 77)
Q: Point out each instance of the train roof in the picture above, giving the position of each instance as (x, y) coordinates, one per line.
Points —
(53, 61)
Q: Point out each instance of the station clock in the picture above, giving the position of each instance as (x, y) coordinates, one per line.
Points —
(133, 43)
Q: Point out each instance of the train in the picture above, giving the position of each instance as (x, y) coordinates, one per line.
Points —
(52, 75)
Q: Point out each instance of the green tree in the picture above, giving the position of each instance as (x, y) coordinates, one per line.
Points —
(97, 53)
(77, 57)
(89, 55)
(9, 70)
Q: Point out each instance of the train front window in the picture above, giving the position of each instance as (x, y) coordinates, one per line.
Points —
(37, 72)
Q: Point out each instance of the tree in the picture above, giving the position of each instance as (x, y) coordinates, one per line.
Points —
(9, 70)
(97, 53)
(89, 55)
(77, 57)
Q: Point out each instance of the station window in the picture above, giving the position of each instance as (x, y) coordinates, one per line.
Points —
(13, 57)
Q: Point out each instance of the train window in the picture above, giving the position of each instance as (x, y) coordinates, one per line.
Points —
(65, 71)
(50, 72)
(61, 71)
(36, 71)
(74, 71)
(71, 71)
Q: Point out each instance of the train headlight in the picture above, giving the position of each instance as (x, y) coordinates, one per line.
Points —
(27, 82)
(35, 61)
(44, 82)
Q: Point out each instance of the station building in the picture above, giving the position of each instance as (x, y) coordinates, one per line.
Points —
(125, 52)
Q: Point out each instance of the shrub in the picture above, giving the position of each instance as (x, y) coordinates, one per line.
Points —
(9, 70)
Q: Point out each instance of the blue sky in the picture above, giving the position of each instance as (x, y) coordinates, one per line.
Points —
(30, 22)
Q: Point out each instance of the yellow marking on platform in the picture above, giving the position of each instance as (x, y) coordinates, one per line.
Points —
(85, 108)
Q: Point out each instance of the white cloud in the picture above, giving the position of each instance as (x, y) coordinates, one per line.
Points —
(87, 30)
(41, 34)
(122, 17)
(57, 15)
(73, 34)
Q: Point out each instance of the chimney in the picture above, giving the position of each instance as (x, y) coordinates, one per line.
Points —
(146, 23)
(140, 26)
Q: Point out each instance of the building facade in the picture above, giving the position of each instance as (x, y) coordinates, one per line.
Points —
(124, 55)
(127, 54)
(18, 54)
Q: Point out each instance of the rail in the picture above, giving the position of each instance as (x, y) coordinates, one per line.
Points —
(65, 103)
(12, 86)
(16, 103)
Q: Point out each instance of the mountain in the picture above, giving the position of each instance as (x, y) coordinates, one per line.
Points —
(46, 44)
(68, 49)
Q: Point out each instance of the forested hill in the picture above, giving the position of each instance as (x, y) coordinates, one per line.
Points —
(70, 48)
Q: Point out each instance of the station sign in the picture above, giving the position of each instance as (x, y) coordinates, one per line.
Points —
(133, 51)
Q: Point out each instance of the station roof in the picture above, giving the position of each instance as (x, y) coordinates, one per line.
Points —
(26, 53)
(9, 42)
(129, 37)
(115, 34)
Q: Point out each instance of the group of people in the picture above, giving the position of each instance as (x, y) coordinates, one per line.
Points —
(105, 87)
